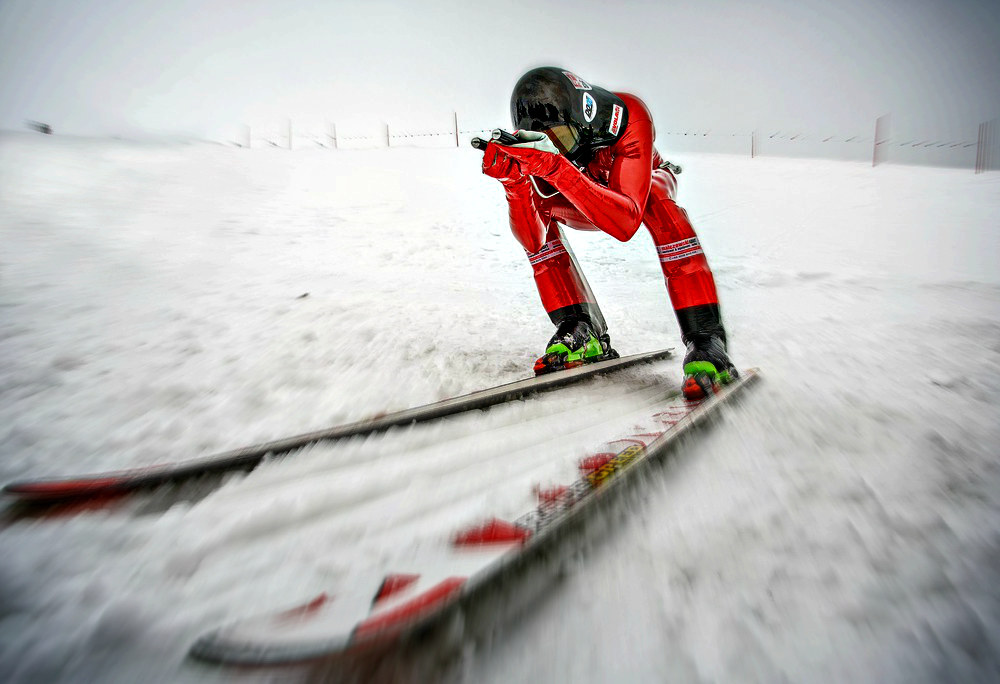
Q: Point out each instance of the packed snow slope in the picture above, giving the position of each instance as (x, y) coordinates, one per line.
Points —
(161, 302)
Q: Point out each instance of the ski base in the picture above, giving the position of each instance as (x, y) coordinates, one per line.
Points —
(450, 586)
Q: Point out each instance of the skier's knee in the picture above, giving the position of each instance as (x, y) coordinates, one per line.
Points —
(530, 243)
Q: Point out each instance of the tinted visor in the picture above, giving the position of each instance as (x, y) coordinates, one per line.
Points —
(566, 137)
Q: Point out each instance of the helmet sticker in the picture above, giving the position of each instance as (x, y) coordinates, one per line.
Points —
(589, 107)
(577, 82)
(616, 119)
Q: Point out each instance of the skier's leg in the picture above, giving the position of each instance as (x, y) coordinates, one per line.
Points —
(561, 284)
(581, 332)
(690, 284)
(689, 279)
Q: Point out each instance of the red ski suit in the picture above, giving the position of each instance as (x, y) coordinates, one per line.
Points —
(619, 189)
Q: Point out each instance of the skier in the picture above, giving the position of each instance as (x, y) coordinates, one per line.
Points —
(584, 157)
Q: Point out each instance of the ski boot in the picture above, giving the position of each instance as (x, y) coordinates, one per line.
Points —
(574, 344)
(706, 366)
(672, 168)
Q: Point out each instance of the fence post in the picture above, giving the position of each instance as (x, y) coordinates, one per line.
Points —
(980, 148)
(456, 129)
(333, 135)
(388, 139)
(289, 134)
(753, 144)
(985, 145)
(882, 133)
(990, 143)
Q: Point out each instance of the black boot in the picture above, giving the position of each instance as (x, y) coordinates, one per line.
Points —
(706, 363)
(574, 344)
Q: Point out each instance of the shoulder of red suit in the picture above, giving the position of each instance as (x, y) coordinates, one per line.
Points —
(637, 109)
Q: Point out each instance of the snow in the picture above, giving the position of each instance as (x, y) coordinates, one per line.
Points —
(839, 524)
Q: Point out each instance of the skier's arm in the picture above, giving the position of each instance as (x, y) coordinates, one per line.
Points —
(526, 222)
(617, 209)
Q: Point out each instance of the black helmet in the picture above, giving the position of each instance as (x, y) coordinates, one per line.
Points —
(577, 116)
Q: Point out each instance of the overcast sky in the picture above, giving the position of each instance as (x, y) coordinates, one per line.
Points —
(208, 66)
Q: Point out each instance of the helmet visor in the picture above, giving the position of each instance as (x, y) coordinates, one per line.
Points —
(564, 136)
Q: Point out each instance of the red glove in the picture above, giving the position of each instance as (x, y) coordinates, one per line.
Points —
(537, 155)
(500, 165)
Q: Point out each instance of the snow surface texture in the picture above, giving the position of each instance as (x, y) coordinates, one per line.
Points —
(842, 523)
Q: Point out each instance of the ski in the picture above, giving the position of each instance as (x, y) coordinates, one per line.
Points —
(457, 584)
(114, 483)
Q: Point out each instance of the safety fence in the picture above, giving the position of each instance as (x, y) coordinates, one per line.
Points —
(880, 146)
(986, 147)
(355, 136)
